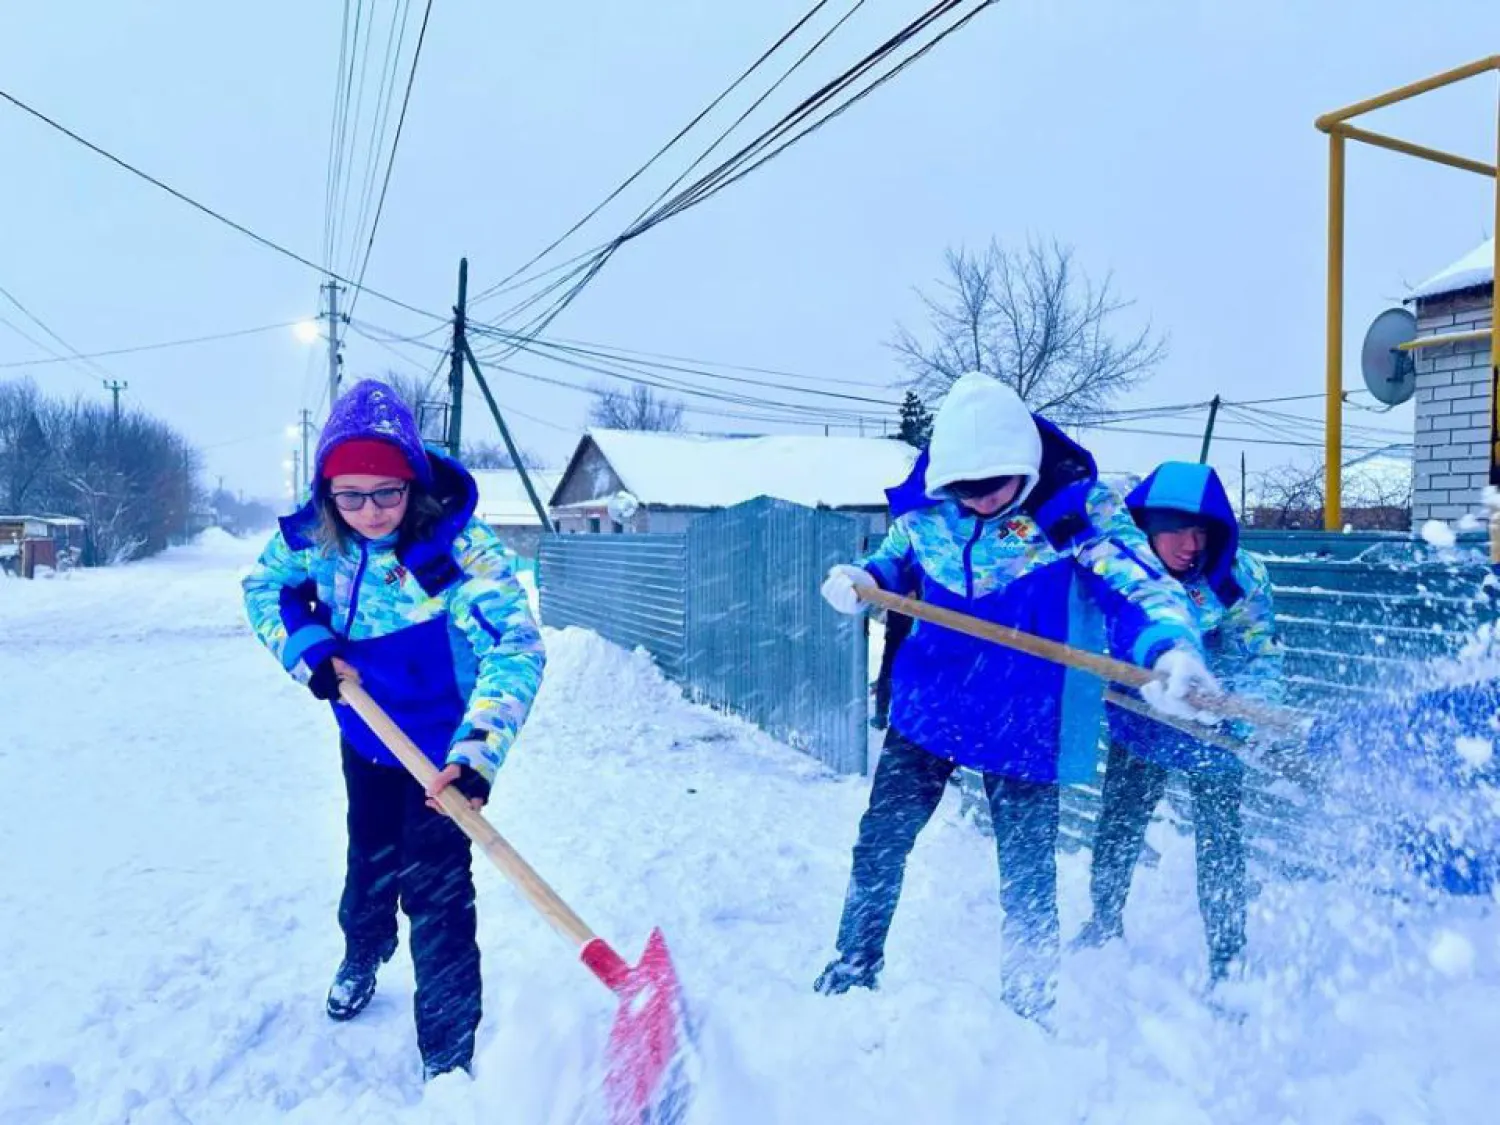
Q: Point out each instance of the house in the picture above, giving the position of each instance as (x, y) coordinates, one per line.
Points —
(28, 543)
(677, 477)
(504, 505)
(1454, 422)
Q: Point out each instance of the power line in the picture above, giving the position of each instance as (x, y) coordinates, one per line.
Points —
(154, 347)
(391, 160)
(335, 146)
(353, 121)
(839, 422)
(722, 178)
(1110, 427)
(73, 352)
(715, 181)
(544, 348)
(343, 153)
(385, 97)
(209, 211)
(661, 152)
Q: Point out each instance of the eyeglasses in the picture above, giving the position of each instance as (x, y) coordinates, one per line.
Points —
(974, 489)
(351, 501)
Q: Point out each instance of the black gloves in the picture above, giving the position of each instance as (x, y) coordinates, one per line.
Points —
(471, 783)
(325, 681)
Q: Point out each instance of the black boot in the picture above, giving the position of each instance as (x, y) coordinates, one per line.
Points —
(841, 975)
(354, 983)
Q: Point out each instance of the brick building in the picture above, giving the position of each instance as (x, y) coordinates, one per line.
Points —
(1453, 404)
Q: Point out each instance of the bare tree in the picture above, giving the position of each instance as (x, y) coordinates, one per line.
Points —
(1290, 497)
(1034, 320)
(638, 408)
(426, 396)
(28, 444)
(494, 455)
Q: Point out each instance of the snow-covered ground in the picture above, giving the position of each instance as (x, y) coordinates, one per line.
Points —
(171, 833)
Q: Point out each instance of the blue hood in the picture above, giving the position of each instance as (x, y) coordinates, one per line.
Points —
(1185, 486)
(1064, 462)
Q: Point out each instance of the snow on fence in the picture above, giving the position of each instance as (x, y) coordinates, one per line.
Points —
(731, 611)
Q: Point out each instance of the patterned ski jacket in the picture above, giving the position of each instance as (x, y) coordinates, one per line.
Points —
(440, 630)
(1230, 593)
(1065, 564)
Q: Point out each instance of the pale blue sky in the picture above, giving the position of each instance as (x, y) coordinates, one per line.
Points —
(1169, 142)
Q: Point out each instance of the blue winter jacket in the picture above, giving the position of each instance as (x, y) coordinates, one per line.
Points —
(1048, 567)
(440, 629)
(1230, 594)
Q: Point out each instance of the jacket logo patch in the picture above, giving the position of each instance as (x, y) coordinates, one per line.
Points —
(395, 575)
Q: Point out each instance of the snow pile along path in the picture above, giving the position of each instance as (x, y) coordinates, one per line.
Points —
(171, 825)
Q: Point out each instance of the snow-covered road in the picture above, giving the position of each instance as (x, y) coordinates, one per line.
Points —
(171, 850)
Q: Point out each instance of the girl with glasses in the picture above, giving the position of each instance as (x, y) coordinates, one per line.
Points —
(387, 577)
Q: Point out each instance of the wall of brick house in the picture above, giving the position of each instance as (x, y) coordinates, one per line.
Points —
(1453, 419)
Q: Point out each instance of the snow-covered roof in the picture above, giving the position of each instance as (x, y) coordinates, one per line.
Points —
(1476, 268)
(502, 497)
(695, 471)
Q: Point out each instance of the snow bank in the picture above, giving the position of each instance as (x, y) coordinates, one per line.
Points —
(168, 951)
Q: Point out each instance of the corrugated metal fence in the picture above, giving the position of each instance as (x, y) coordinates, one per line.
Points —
(731, 611)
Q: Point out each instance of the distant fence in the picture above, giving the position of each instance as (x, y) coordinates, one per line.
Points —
(731, 611)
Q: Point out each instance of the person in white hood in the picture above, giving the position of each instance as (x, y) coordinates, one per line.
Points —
(1003, 518)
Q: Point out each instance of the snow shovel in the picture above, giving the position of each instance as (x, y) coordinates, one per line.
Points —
(646, 1079)
(1106, 668)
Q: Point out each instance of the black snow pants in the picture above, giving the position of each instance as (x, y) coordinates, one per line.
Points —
(908, 787)
(1132, 788)
(400, 850)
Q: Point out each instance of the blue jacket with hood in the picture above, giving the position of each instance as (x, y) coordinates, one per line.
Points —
(1049, 564)
(438, 627)
(1230, 594)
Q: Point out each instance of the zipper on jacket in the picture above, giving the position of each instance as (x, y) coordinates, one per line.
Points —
(359, 577)
(969, 557)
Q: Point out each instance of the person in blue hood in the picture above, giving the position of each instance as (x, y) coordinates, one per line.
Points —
(1184, 511)
(387, 577)
(1003, 518)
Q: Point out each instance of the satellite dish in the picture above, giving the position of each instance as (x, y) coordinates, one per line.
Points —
(1390, 374)
(623, 506)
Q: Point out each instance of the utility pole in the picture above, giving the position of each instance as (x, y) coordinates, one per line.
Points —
(1244, 505)
(456, 361)
(1208, 431)
(306, 463)
(114, 388)
(515, 454)
(331, 314)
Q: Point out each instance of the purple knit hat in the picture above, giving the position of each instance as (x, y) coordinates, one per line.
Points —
(371, 409)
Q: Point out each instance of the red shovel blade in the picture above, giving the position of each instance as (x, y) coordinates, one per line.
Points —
(645, 1079)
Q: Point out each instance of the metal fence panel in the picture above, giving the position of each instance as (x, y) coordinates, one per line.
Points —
(627, 588)
(761, 641)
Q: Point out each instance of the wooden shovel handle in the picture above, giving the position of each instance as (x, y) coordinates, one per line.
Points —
(1105, 667)
(531, 885)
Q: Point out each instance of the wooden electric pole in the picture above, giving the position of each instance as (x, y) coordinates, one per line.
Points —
(456, 361)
